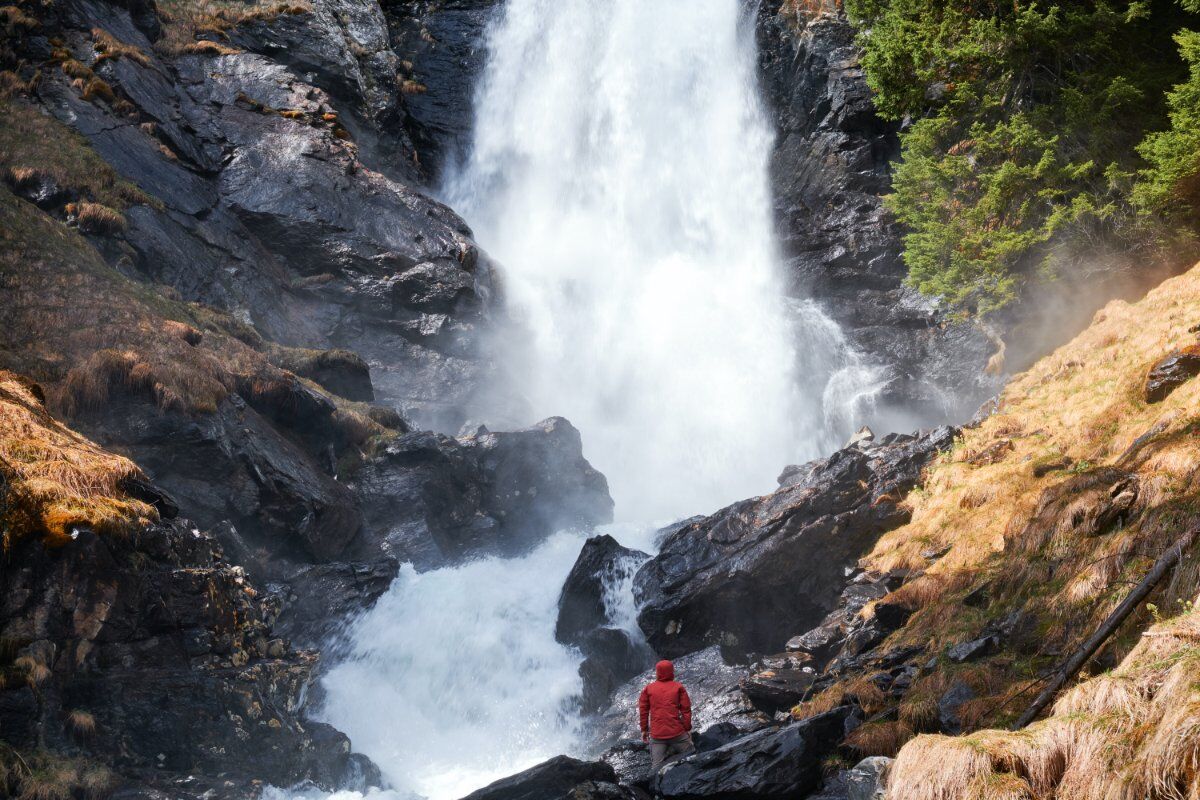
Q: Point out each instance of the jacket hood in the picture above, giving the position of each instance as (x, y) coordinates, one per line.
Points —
(665, 671)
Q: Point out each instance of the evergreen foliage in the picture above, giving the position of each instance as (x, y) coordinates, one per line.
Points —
(1031, 130)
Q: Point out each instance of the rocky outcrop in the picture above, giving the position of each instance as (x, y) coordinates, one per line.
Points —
(433, 500)
(772, 763)
(443, 46)
(585, 620)
(581, 606)
(152, 653)
(718, 703)
(557, 779)
(741, 577)
(284, 189)
(829, 171)
(1172, 372)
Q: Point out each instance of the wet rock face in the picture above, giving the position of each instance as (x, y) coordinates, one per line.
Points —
(772, 763)
(171, 652)
(581, 606)
(235, 467)
(733, 578)
(289, 194)
(1171, 373)
(560, 777)
(445, 44)
(611, 656)
(829, 170)
(714, 687)
(433, 500)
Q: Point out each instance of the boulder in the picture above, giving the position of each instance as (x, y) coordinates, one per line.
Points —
(949, 704)
(782, 683)
(868, 779)
(434, 500)
(581, 607)
(611, 657)
(537, 480)
(715, 688)
(1172, 372)
(745, 575)
(557, 778)
(773, 763)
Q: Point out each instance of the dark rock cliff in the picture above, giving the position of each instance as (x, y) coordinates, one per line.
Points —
(740, 577)
(289, 192)
(829, 171)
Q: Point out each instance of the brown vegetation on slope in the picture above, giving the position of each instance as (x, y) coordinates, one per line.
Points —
(1132, 734)
(54, 479)
(1041, 519)
(86, 332)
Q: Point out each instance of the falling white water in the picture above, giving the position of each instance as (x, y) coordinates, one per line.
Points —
(620, 175)
(454, 679)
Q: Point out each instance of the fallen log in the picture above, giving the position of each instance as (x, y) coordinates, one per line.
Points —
(1072, 665)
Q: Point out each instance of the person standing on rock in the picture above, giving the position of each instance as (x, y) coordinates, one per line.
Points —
(666, 715)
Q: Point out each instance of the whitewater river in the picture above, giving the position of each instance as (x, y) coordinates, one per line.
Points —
(619, 176)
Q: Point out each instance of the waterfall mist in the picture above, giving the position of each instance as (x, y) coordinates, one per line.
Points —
(619, 174)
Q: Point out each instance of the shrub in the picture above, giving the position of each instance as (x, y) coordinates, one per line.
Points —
(82, 724)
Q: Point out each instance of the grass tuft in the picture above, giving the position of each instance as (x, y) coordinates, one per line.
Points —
(109, 47)
(57, 482)
(97, 218)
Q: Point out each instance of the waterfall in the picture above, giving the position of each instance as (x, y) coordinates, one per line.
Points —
(619, 174)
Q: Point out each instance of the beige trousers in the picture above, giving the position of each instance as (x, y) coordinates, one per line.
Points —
(664, 750)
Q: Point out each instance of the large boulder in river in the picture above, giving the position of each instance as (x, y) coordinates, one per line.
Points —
(752, 573)
(715, 687)
(611, 655)
(435, 500)
(772, 763)
(581, 606)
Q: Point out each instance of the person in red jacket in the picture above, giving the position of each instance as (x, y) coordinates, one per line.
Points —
(666, 715)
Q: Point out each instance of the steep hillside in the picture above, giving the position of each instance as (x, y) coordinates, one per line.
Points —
(1030, 531)
(127, 639)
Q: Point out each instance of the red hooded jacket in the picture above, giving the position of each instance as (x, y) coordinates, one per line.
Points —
(664, 706)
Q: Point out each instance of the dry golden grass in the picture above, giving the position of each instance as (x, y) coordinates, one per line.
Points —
(109, 47)
(199, 26)
(97, 218)
(1130, 735)
(1052, 508)
(878, 738)
(81, 724)
(58, 481)
(14, 18)
(43, 776)
(1064, 543)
